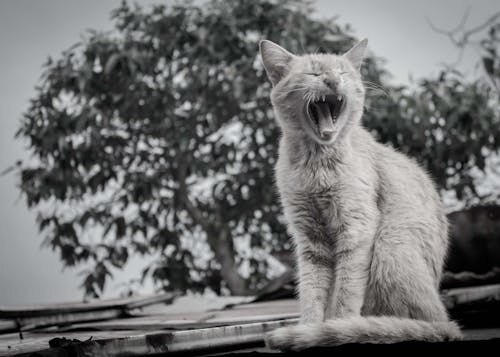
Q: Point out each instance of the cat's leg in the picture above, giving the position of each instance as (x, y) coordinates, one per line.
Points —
(351, 277)
(401, 281)
(356, 219)
(315, 270)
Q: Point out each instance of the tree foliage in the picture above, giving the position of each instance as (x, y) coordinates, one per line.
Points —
(452, 121)
(158, 139)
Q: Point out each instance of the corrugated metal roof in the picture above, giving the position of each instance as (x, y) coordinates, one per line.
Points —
(148, 326)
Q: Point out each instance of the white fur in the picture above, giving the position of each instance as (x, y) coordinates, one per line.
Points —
(369, 229)
(373, 329)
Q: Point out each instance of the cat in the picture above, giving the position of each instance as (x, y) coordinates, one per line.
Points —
(368, 226)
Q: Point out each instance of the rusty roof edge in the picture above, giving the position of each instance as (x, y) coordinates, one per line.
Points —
(33, 323)
(457, 296)
(29, 320)
(7, 312)
(178, 341)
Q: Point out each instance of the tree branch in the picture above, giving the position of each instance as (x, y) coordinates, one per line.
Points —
(193, 211)
(450, 33)
(461, 37)
(222, 245)
(474, 30)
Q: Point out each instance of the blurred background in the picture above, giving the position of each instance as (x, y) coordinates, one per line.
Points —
(138, 142)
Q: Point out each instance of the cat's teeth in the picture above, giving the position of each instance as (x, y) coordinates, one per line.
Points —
(339, 98)
(323, 98)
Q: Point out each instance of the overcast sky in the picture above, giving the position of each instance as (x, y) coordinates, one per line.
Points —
(31, 30)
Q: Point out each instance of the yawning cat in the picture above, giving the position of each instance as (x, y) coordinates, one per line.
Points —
(369, 229)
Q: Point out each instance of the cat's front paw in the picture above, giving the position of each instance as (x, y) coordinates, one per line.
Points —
(280, 339)
(292, 338)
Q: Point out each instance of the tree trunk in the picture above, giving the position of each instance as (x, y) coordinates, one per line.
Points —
(222, 245)
(218, 236)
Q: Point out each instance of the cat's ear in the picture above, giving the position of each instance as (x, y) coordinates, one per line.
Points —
(357, 53)
(275, 59)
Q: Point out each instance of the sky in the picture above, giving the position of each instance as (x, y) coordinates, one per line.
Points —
(32, 30)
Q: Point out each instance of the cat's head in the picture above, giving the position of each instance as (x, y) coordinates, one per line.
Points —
(319, 94)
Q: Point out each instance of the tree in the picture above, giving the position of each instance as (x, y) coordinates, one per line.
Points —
(450, 125)
(158, 139)
(452, 122)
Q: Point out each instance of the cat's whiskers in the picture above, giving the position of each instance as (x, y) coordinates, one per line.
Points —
(378, 91)
(294, 89)
(376, 87)
(309, 97)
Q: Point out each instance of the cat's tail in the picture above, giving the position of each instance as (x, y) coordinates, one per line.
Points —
(383, 329)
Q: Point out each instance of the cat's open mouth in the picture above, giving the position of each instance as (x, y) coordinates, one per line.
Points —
(326, 110)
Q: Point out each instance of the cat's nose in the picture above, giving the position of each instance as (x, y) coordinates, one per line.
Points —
(330, 82)
(326, 134)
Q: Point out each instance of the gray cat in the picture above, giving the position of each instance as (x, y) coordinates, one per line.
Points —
(369, 229)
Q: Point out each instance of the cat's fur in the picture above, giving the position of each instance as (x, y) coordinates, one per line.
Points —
(370, 231)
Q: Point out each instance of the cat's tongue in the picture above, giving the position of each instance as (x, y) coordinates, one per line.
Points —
(324, 117)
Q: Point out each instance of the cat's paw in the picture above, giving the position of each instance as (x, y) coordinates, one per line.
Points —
(292, 338)
(280, 339)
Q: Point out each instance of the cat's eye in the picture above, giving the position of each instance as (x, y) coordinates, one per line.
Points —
(342, 73)
(313, 73)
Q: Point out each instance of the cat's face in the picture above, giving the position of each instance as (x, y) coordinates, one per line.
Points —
(319, 94)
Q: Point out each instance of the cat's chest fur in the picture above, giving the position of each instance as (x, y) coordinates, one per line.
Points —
(330, 190)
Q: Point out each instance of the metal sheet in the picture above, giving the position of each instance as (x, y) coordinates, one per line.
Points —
(44, 310)
(454, 297)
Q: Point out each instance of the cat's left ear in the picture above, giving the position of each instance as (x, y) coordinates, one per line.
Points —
(275, 59)
(357, 53)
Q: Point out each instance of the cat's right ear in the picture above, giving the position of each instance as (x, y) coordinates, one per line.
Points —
(275, 59)
(357, 53)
